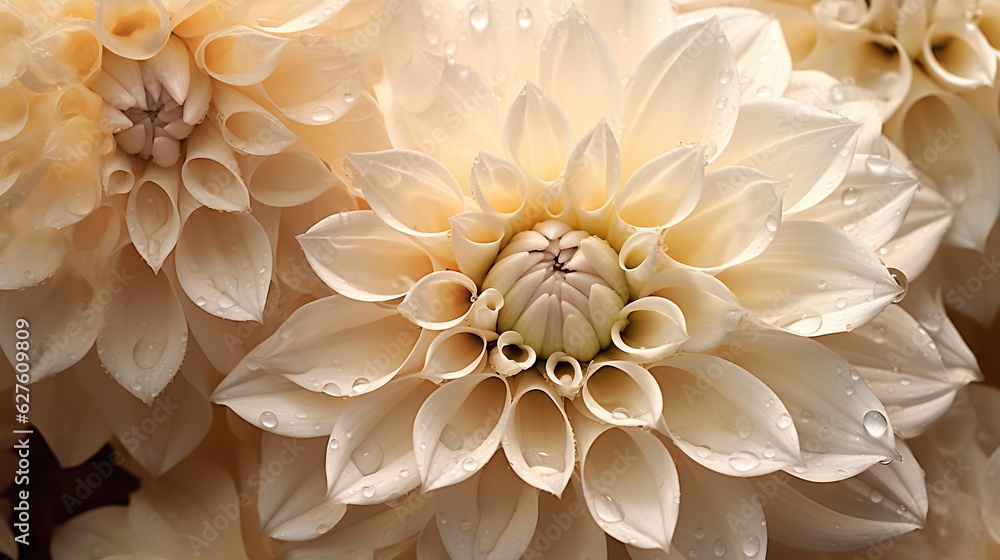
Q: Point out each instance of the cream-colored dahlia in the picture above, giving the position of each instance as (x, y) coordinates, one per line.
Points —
(599, 248)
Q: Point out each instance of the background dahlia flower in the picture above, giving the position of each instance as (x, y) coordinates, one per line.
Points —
(610, 266)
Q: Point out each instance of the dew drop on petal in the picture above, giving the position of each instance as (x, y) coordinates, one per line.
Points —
(451, 437)
(772, 223)
(726, 76)
(721, 102)
(334, 444)
(841, 303)
(149, 349)
(367, 458)
(607, 509)
(744, 429)
(620, 413)
(743, 461)
(751, 546)
(801, 321)
(784, 420)
(875, 423)
(875, 496)
(470, 464)
(268, 419)
(719, 548)
(333, 389)
(524, 17)
(368, 491)
(360, 385)
(850, 196)
(465, 524)
(479, 18)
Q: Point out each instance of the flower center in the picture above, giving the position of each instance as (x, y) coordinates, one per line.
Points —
(563, 290)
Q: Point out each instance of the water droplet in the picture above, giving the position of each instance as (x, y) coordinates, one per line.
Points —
(875, 423)
(699, 533)
(368, 491)
(875, 496)
(479, 18)
(470, 464)
(901, 510)
(719, 548)
(841, 303)
(850, 196)
(465, 524)
(451, 437)
(801, 321)
(731, 319)
(367, 458)
(321, 114)
(769, 452)
(721, 102)
(228, 287)
(333, 389)
(743, 461)
(744, 429)
(821, 284)
(607, 509)
(524, 17)
(620, 413)
(784, 421)
(901, 280)
(703, 452)
(849, 390)
(268, 419)
(764, 92)
(334, 444)
(772, 223)
(726, 76)
(360, 385)
(301, 414)
(751, 546)
(404, 473)
(806, 416)
(349, 97)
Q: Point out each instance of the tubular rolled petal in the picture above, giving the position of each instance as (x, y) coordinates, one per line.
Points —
(958, 56)
(538, 438)
(649, 329)
(664, 190)
(239, 55)
(440, 300)
(621, 394)
(593, 175)
(498, 186)
(211, 174)
(153, 220)
(67, 54)
(537, 134)
(246, 125)
(511, 355)
(710, 310)
(135, 29)
(118, 175)
(565, 373)
(455, 353)
(476, 240)
(267, 177)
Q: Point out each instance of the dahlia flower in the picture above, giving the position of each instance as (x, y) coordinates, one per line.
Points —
(602, 248)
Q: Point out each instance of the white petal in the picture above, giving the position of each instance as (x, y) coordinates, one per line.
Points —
(440, 300)
(172, 67)
(118, 175)
(629, 481)
(821, 90)
(198, 99)
(641, 256)
(136, 30)
(152, 217)
(840, 435)
(104, 528)
(788, 140)
(239, 55)
(884, 502)
(457, 352)
(498, 186)
(69, 420)
(578, 71)
(144, 335)
(723, 417)
(28, 257)
(621, 394)
(74, 48)
(593, 175)
(631, 27)
(798, 289)
(925, 225)
(370, 458)
(579, 535)
(267, 177)
(537, 134)
(537, 437)
(340, 250)
(650, 328)
(928, 309)
(710, 310)
(247, 126)
(958, 56)
(410, 191)
(476, 239)
(694, 68)
(500, 528)
(458, 429)
(334, 87)
(664, 190)
(211, 174)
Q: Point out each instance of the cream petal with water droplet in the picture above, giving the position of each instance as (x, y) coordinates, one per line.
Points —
(458, 428)
(710, 310)
(247, 126)
(69, 53)
(926, 305)
(958, 56)
(578, 71)
(537, 134)
(410, 191)
(622, 394)
(629, 481)
(440, 300)
(682, 70)
(211, 174)
(251, 393)
(143, 338)
(664, 190)
(882, 503)
(788, 140)
(375, 445)
(457, 352)
(133, 29)
(925, 225)
(811, 380)
(744, 199)
(846, 98)
(239, 55)
(723, 417)
(340, 249)
(796, 288)
(649, 329)
(228, 251)
(489, 516)
(642, 23)
(537, 437)
(151, 213)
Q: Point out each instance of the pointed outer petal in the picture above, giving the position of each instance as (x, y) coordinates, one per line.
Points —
(664, 190)
(871, 202)
(927, 308)
(631, 28)
(458, 428)
(707, 523)
(578, 71)
(457, 352)
(485, 311)
(695, 68)
(370, 458)
(247, 126)
(925, 225)
(629, 481)
(649, 329)
(876, 62)
(440, 300)
(133, 29)
(744, 199)
(181, 415)
(808, 292)
(104, 528)
(788, 140)
(511, 355)
(340, 250)
(476, 239)
(335, 84)
(410, 191)
(537, 134)
(239, 55)
(538, 438)
(275, 404)
(211, 174)
(710, 310)
(13, 113)
(199, 98)
(293, 506)
(65, 314)
(68, 419)
(565, 374)
(593, 174)
(420, 101)
(819, 89)
(723, 417)
(267, 177)
(839, 435)
(762, 56)
(947, 140)
(958, 56)
(884, 502)
(144, 335)
(900, 362)
(117, 173)
(364, 530)
(224, 264)
(621, 393)
(27, 258)
(640, 257)
(151, 213)
(342, 347)
(498, 186)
